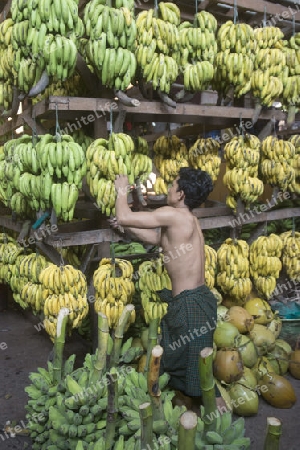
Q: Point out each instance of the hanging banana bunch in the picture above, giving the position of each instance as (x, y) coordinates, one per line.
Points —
(204, 155)
(153, 277)
(290, 77)
(233, 276)
(295, 163)
(291, 254)
(234, 60)
(110, 45)
(198, 47)
(157, 49)
(265, 264)
(242, 154)
(7, 73)
(170, 154)
(114, 289)
(141, 163)
(277, 162)
(210, 266)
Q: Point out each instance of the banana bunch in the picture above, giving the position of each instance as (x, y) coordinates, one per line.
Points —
(63, 287)
(290, 78)
(141, 145)
(17, 282)
(111, 40)
(266, 88)
(160, 187)
(210, 266)
(10, 251)
(82, 139)
(242, 154)
(114, 289)
(277, 159)
(233, 276)
(141, 166)
(265, 265)
(204, 155)
(295, 163)
(170, 154)
(7, 73)
(234, 60)
(72, 255)
(291, 254)
(153, 277)
(157, 50)
(268, 37)
(44, 37)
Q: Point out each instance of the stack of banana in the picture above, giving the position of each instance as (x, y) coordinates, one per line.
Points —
(29, 270)
(63, 287)
(7, 73)
(63, 166)
(295, 163)
(234, 60)
(153, 277)
(277, 162)
(291, 254)
(114, 289)
(170, 154)
(242, 154)
(269, 65)
(44, 38)
(265, 265)
(290, 77)
(141, 163)
(105, 160)
(110, 44)
(158, 45)
(9, 251)
(198, 47)
(210, 266)
(204, 155)
(233, 276)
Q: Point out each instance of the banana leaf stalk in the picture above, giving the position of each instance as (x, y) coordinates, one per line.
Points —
(153, 383)
(145, 412)
(208, 389)
(103, 336)
(59, 343)
(112, 407)
(187, 431)
(152, 340)
(119, 334)
(273, 434)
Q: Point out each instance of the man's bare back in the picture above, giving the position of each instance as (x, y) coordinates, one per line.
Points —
(183, 249)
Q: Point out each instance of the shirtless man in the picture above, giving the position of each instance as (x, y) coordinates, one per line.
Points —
(191, 305)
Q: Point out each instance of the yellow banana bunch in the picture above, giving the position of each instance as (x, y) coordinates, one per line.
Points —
(114, 288)
(59, 280)
(204, 155)
(170, 154)
(266, 88)
(291, 254)
(160, 187)
(233, 276)
(210, 266)
(277, 162)
(32, 294)
(155, 310)
(157, 45)
(242, 154)
(295, 163)
(265, 264)
(234, 60)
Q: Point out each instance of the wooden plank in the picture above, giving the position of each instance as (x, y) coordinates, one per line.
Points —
(149, 111)
(51, 253)
(83, 238)
(11, 125)
(8, 222)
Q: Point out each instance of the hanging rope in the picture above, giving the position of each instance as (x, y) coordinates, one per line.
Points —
(265, 17)
(293, 26)
(34, 130)
(57, 127)
(111, 120)
(241, 125)
(235, 13)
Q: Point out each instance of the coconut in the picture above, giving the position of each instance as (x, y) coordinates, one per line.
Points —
(240, 318)
(248, 351)
(260, 310)
(275, 326)
(222, 313)
(294, 365)
(285, 345)
(263, 339)
(279, 360)
(226, 335)
(228, 365)
(245, 401)
(277, 391)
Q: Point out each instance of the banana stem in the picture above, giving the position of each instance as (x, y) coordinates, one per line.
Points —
(153, 383)
(291, 115)
(152, 340)
(257, 111)
(187, 431)
(119, 334)
(208, 389)
(145, 412)
(59, 343)
(112, 408)
(274, 431)
(103, 336)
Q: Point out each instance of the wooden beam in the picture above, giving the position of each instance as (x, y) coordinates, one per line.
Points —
(82, 238)
(10, 125)
(51, 253)
(6, 11)
(8, 222)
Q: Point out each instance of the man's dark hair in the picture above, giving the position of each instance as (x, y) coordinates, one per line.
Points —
(196, 185)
